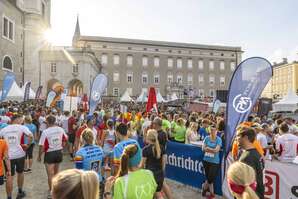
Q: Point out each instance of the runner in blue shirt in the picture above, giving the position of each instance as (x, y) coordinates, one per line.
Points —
(121, 133)
(203, 130)
(29, 150)
(90, 157)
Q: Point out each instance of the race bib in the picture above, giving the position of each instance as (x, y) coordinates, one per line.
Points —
(210, 155)
(12, 138)
(56, 141)
(95, 166)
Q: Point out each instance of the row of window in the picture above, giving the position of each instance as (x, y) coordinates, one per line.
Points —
(201, 92)
(75, 68)
(156, 62)
(170, 79)
(8, 27)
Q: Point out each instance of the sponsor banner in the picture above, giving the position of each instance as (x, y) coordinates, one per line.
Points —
(38, 92)
(247, 84)
(279, 180)
(216, 106)
(50, 98)
(98, 87)
(8, 80)
(185, 165)
(70, 103)
(27, 91)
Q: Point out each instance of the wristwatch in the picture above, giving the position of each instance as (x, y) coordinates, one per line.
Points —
(105, 194)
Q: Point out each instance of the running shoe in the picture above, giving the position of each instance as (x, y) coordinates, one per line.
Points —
(21, 195)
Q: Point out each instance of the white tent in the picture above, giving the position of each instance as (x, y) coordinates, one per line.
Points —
(125, 97)
(173, 97)
(31, 92)
(159, 98)
(15, 93)
(143, 97)
(288, 103)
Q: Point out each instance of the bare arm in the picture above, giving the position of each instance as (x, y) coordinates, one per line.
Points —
(143, 163)
(164, 160)
(40, 152)
(7, 163)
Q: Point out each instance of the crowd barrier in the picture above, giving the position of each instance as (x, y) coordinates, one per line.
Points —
(185, 165)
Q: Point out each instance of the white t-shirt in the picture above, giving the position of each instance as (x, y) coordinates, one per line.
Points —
(42, 123)
(288, 145)
(14, 136)
(65, 123)
(52, 138)
(263, 140)
(94, 131)
(59, 120)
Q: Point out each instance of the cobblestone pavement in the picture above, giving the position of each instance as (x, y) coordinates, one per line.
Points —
(36, 183)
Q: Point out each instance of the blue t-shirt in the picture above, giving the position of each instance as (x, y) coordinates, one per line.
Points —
(33, 130)
(203, 133)
(119, 148)
(212, 157)
(3, 125)
(90, 157)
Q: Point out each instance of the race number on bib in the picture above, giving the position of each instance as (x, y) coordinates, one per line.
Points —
(95, 166)
(12, 139)
(210, 155)
(56, 141)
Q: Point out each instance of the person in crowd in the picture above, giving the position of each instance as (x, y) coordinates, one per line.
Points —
(75, 184)
(211, 161)
(122, 135)
(90, 121)
(203, 131)
(131, 182)
(13, 136)
(261, 137)
(179, 131)
(153, 160)
(42, 122)
(71, 132)
(166, 124)
(286, 144)
(242, 181)
(29, 151)
(90, 156)
(51, 142)
(108, 142)
(132, 132)
(251, 157)
(192, 133)
(4, 160)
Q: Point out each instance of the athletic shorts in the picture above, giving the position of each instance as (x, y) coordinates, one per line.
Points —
(71, 138)
(1, 180)
(17, 165)
(29, 152)
(211, 171)
(159, 179)
(53, 157)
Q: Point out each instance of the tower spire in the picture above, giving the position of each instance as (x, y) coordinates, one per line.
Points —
(77, 33)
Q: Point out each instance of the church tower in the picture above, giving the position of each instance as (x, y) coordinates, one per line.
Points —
(36, 22)
(77, 34)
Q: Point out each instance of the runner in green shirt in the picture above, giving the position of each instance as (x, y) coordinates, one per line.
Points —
(131, 182)
(179, 131)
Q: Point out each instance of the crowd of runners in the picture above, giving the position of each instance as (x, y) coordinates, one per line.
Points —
(110, 161)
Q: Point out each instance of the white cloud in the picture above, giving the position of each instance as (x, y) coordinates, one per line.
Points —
(278, 55)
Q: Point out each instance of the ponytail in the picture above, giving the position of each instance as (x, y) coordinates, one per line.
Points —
(128, 153)
(157, 147)
(249, 193)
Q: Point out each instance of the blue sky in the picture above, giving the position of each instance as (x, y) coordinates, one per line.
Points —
(261, 27)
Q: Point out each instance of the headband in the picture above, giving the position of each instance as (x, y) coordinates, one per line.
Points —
(239, 189)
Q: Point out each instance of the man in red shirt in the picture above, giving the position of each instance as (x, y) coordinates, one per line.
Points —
(72, 128)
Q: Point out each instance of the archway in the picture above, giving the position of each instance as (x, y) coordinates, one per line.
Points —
(75, 88)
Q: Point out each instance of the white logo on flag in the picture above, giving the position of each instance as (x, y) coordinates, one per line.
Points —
(242, 104)
(95, 96)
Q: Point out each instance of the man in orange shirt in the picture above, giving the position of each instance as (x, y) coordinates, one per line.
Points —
(4, 156)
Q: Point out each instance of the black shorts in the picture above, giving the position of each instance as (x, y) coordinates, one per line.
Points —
(71, 138)
(1, 180)
(17, 165)
(29, 152)
(159, 179)
(53, 157)
(211, 171)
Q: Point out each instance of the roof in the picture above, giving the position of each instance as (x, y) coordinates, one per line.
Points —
(158, 43)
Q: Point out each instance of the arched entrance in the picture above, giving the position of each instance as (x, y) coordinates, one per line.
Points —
(75, 88)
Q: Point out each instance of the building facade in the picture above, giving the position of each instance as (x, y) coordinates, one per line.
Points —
(285, 78)
(131, 65)
(135, 65)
